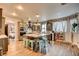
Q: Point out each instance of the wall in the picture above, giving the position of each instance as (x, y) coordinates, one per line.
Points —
(76, 36)
(3, 25)
(15, 22)
(68, 37)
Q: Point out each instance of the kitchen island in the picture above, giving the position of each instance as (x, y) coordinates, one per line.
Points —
(38, 42)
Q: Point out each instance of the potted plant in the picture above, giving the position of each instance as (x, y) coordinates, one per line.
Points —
(74, 26)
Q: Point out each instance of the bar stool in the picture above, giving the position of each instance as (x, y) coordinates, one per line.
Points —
(30, 43)
(25, 42)
(36, 45)
(43, 44)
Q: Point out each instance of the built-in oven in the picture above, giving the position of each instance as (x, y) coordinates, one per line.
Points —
(22, 31)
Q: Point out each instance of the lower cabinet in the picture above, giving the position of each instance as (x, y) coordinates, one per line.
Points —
(4, 44)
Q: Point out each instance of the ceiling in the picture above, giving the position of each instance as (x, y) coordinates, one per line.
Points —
(45, 10)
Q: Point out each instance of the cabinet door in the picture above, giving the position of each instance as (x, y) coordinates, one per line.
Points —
(1, 43)
(49, 26)
(4, 44)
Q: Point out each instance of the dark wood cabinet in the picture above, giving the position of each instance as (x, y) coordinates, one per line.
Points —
(49, 37)
(4, 44)
(36, 27)
(49, 26)
(0, 18)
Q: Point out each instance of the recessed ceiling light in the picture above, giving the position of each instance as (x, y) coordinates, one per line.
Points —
(37, 15)
(20, 7)
(29, 19)
(14, 14)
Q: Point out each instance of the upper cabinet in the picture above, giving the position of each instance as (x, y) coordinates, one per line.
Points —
(0, 18)
(36, 27)
(49, 26)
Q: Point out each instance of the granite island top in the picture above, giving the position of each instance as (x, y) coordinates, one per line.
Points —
(37, 35)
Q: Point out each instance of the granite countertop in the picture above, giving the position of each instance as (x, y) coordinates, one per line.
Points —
(36, 35)
(3, 36)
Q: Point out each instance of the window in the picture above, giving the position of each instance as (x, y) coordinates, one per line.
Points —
(71, 22)
(43, 27)
(60, 26)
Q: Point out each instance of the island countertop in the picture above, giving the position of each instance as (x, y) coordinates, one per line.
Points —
(37, 35)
